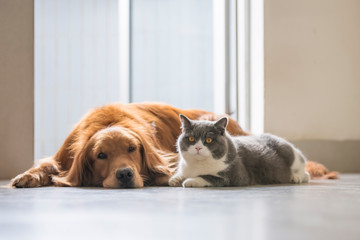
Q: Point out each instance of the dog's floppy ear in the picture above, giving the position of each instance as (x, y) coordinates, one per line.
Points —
(80, 173)
(155, 161)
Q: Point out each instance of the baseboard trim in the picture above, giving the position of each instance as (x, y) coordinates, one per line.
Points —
(341, 156)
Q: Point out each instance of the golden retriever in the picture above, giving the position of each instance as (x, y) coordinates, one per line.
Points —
(119, 146)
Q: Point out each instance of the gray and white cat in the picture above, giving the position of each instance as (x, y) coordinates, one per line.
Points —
(210, 157)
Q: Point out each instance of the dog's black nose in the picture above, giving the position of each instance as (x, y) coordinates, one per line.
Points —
(124, 175)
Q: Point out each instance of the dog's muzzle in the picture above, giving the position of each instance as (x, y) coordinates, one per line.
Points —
(126, 177)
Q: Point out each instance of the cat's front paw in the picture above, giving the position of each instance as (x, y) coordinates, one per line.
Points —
(298, 178)
(175, 181)
(306, 178)
(195, 182)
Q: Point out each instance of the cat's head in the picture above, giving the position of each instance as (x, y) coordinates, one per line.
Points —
(201, 140)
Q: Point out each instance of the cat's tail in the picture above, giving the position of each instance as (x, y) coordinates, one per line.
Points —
(319, 171)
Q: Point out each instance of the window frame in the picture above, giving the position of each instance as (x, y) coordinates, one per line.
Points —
(239, 27)
(245, 36)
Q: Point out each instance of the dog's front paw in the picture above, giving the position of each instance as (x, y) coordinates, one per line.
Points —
(195, 182)
(175, 181)
(26, 180)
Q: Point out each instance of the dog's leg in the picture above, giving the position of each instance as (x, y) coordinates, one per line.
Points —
(37, 176)
(319, 171)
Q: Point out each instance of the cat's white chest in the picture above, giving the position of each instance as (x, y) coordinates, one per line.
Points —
(192, 167)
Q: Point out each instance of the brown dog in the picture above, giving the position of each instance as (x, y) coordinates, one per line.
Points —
(117, 146)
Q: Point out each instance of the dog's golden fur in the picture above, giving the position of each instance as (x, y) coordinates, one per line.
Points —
(319, 171)
(138, 137)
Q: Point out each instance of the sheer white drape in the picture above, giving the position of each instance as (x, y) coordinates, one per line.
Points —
(172, 52)
(76, 65)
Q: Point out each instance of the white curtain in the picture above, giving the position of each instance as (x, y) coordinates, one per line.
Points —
(172, 52)
(76, 65)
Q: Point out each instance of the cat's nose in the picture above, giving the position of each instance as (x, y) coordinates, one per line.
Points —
(198, 148)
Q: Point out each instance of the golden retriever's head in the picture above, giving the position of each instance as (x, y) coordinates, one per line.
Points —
(116, 157)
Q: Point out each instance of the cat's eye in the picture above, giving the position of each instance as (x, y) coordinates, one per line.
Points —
(208, 140)
(131, 149)
(191, 139)
(102, 155)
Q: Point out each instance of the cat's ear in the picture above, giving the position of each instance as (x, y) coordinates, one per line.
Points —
(185, 122)
(221, 124)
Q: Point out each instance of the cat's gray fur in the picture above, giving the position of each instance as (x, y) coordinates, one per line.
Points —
(248, 160)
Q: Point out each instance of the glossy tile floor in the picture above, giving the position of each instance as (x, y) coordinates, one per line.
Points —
(328, 209)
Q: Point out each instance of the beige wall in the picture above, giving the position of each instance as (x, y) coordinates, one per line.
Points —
(312, 74)
(16, 86)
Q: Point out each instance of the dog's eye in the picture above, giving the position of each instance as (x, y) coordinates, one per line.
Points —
(102, 156)
(131, 149)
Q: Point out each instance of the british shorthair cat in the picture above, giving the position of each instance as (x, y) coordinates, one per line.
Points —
(210, 157)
